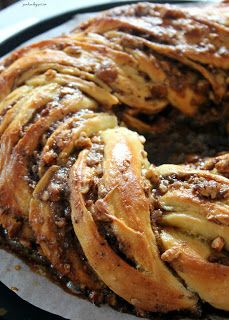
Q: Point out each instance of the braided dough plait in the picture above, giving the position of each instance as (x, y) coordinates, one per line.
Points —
(196, 211)
(126, 205)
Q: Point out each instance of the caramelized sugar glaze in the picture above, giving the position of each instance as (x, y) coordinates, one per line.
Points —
(114, 158)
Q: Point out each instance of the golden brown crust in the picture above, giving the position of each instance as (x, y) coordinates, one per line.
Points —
(127, 207)
(47, 214)
(161, 30)
(210, 280)
(195, 206)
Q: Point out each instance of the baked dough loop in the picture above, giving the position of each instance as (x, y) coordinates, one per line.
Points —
(76, 187)
(125, 210)
(195, 206)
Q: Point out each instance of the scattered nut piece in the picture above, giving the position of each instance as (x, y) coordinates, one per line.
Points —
(218, 244)
(83, 141)
(67, 267)
(84, 188)
(152, 175)
(45, 196)
(17, 267)
(50, 74)
(163, 187)
(49, 157)
(209, 189)
(60, 223)
(171, 254)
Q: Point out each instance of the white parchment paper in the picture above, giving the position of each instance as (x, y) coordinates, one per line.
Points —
(48, 296)
(36, 288)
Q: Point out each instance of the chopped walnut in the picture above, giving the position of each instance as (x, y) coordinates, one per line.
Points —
(102, 192)
(93, 159)
(54, 191)
(60, 222)
(50, 74)
(84, 188)
(156, 215)
(66, 90)
(163, 187)
(45, 196)
(223, 165)
(152, 175)
(63, 139)
(17, 267)
(107, 72)
(125, 165)
(171, 254)
(67, 267)
(218, 244)
(95, 139)
(83, 141)
(208, 189)
(49, 157)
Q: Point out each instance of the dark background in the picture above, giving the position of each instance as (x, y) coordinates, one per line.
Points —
(6, 3)
(17, 309)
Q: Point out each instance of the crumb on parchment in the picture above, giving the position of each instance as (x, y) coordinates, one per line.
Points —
(17, 267)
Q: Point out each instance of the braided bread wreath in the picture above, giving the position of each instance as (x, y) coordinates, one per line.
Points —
(77, 190)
